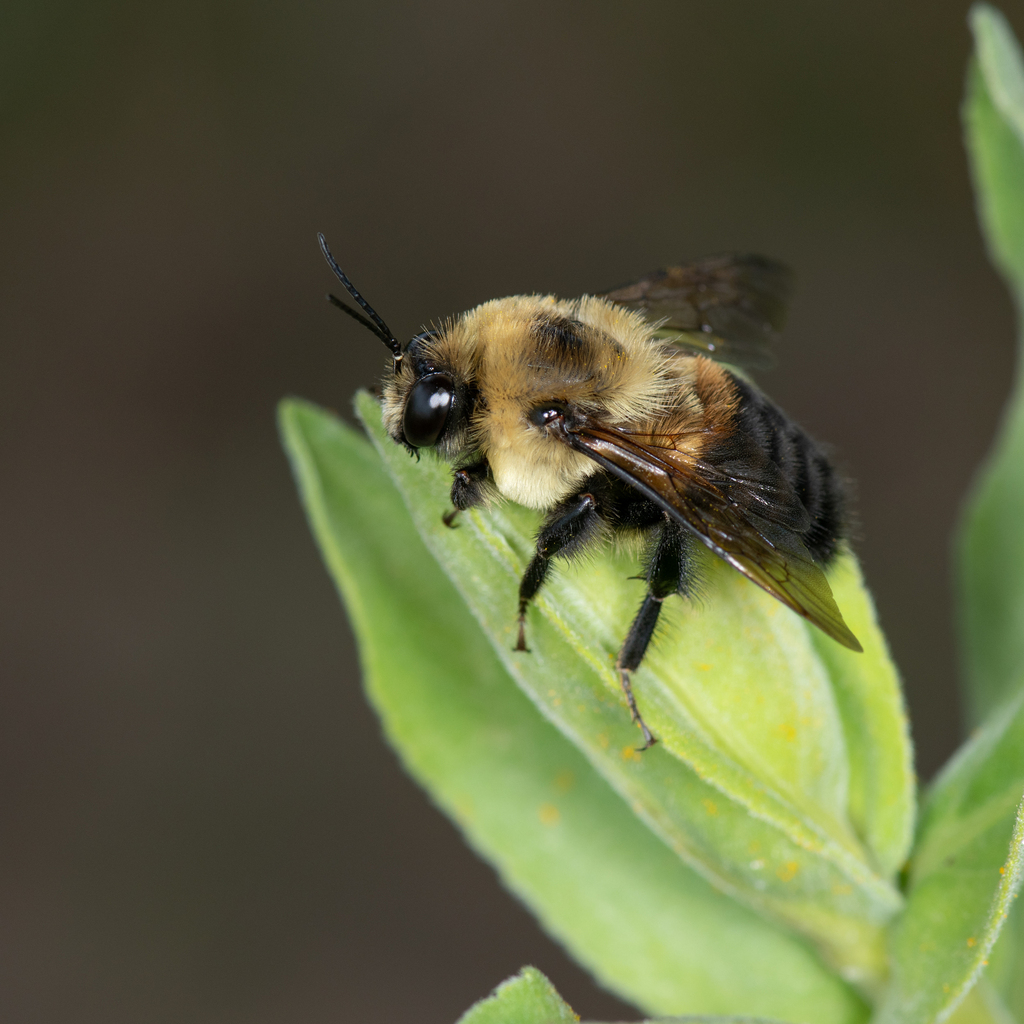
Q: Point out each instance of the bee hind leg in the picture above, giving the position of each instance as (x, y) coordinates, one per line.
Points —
(668, 572)
(633, 650)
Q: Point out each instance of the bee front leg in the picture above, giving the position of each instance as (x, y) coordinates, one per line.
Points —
(567, 528)
(469, 488)
(669, 571)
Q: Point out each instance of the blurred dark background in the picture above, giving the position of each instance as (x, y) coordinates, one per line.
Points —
(199, 818)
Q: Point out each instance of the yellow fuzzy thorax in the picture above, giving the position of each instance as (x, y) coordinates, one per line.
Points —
(508, 352)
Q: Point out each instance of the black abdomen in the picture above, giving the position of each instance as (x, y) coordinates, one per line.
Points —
(802, 463)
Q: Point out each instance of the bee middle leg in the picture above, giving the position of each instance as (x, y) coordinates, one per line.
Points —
(668, 571)
(568, 527)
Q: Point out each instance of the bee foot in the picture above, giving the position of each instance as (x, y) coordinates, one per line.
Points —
(627, 688)
(649, 739)
(521, 641)
(449, 519)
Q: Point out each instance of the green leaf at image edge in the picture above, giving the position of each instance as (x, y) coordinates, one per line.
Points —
(622, 903)
(962, 881)
(991, 548)
(965, 872)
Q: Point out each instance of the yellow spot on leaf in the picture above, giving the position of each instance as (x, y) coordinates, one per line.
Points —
(564, 781)
(788, 731)
(710, 806)
(556, 702)
(703, 668)
(1002, 870)
(602, 740)
(787, 872)
(630, 753)
(972, 941)
(945, 988)
(548, 814)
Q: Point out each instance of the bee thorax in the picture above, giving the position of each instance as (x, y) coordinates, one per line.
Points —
(538, 479)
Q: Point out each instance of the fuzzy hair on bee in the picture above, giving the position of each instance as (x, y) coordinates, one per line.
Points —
(623, 414)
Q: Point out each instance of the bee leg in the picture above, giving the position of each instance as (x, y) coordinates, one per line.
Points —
(531, 582)
(649, 738)
(668, 572)
(468, 487)
(632, 653)
(569, 525)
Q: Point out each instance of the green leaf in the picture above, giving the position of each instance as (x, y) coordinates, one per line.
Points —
(866, 687)
(962, 880)
(1004, 975)
(750, 782)
(528, 800)
(991, 550)
(528, 998)
(982, 1005)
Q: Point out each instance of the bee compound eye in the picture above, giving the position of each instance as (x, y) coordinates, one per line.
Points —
(426, 410)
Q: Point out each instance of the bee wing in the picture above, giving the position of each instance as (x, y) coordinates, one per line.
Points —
(739, 505)
(730, 307)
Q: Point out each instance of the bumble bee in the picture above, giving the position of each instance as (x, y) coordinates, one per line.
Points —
(617, 413)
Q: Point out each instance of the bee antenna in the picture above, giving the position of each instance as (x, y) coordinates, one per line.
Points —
(374, 323)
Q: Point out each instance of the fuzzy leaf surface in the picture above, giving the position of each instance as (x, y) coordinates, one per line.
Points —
(750, 782)
(526, 799)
